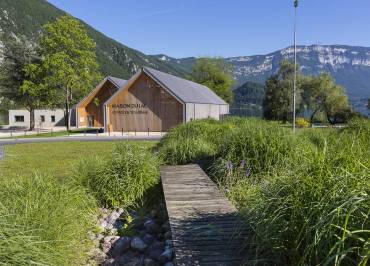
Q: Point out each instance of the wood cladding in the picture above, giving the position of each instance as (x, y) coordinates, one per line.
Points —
(144, 106)
(95, 108)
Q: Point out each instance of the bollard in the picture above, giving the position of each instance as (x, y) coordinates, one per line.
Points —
(135, 132)
(25, 132)
(122, 132)
(11, 134)
(148, 132)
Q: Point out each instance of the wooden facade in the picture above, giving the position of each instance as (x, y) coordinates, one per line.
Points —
(143, 106)
(91, 109)
(151, 100)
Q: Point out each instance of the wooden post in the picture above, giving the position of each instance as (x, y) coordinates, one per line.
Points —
(51, 132)
(97, 132)
(122, 132)
(11, 134)
(148, 132)
(25, 132)
(85, 132)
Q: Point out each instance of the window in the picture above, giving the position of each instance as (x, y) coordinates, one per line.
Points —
(53, 118)
(19, 118)
(42, 118)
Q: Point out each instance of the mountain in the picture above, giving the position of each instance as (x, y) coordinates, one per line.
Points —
(349, 65)
(26, 17)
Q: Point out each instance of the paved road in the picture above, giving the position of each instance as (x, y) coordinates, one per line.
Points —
(61, 139)
(1, 152)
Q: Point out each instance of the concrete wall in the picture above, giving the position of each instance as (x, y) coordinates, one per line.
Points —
(201, 111)
(58, 113)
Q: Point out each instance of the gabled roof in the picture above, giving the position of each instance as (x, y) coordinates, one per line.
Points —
(186, 90)
(117, 82)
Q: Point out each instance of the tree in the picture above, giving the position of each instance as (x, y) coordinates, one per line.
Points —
(18, 54)
(322, 94)
(69, 61)
(277, 104)
(216, 75)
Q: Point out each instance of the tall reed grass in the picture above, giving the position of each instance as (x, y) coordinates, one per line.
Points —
(305, 196)
(123, 179)
(44, 222)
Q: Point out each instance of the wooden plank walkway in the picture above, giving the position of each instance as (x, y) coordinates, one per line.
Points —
(206, 228)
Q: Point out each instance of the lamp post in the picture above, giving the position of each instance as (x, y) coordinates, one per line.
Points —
(295, 63)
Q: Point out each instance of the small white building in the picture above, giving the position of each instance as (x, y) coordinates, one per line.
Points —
(43, 118)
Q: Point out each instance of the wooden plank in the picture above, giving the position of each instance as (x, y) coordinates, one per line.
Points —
(206, 228)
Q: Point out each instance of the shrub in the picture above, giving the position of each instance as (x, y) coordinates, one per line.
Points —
(44, 222)
(124, 178)
(301, 122)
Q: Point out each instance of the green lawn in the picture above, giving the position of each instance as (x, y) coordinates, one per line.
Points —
(56, 159)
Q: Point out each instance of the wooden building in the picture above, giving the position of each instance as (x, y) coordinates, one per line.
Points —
(150, 101)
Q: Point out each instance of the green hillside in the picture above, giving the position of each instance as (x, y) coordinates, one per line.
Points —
(26, 17)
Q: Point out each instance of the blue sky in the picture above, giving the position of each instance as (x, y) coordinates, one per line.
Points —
(182, 28)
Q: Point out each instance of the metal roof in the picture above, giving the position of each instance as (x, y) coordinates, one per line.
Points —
(186, 90)
(117, 82)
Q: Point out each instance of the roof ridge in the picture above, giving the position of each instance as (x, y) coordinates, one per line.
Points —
(185, 89)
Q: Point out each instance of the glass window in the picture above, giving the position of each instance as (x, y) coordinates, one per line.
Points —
(42, 118)
(19, 118)
(53, 118)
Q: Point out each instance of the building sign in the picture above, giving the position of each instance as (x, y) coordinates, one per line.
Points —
(130, 108)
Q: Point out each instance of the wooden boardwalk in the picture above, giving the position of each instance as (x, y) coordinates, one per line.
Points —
(206, 228)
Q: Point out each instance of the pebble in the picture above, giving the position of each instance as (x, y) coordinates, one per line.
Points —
(165, 227)
(168, 243)
(106, 246)
(166, 256)
(151, 245)
(150, 262)
(168, 235)
(155, 254)
(148, 239)
(151, 226)
(138, 244)
(122, 245)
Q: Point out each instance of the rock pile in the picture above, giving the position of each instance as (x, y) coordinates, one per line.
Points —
(148, 240)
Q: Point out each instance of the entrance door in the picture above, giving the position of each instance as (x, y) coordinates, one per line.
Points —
(90, 121)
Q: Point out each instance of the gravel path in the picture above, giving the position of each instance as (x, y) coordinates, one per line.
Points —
(62, 139)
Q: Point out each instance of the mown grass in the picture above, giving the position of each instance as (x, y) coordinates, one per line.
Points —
(305, 196)
(56, 159)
